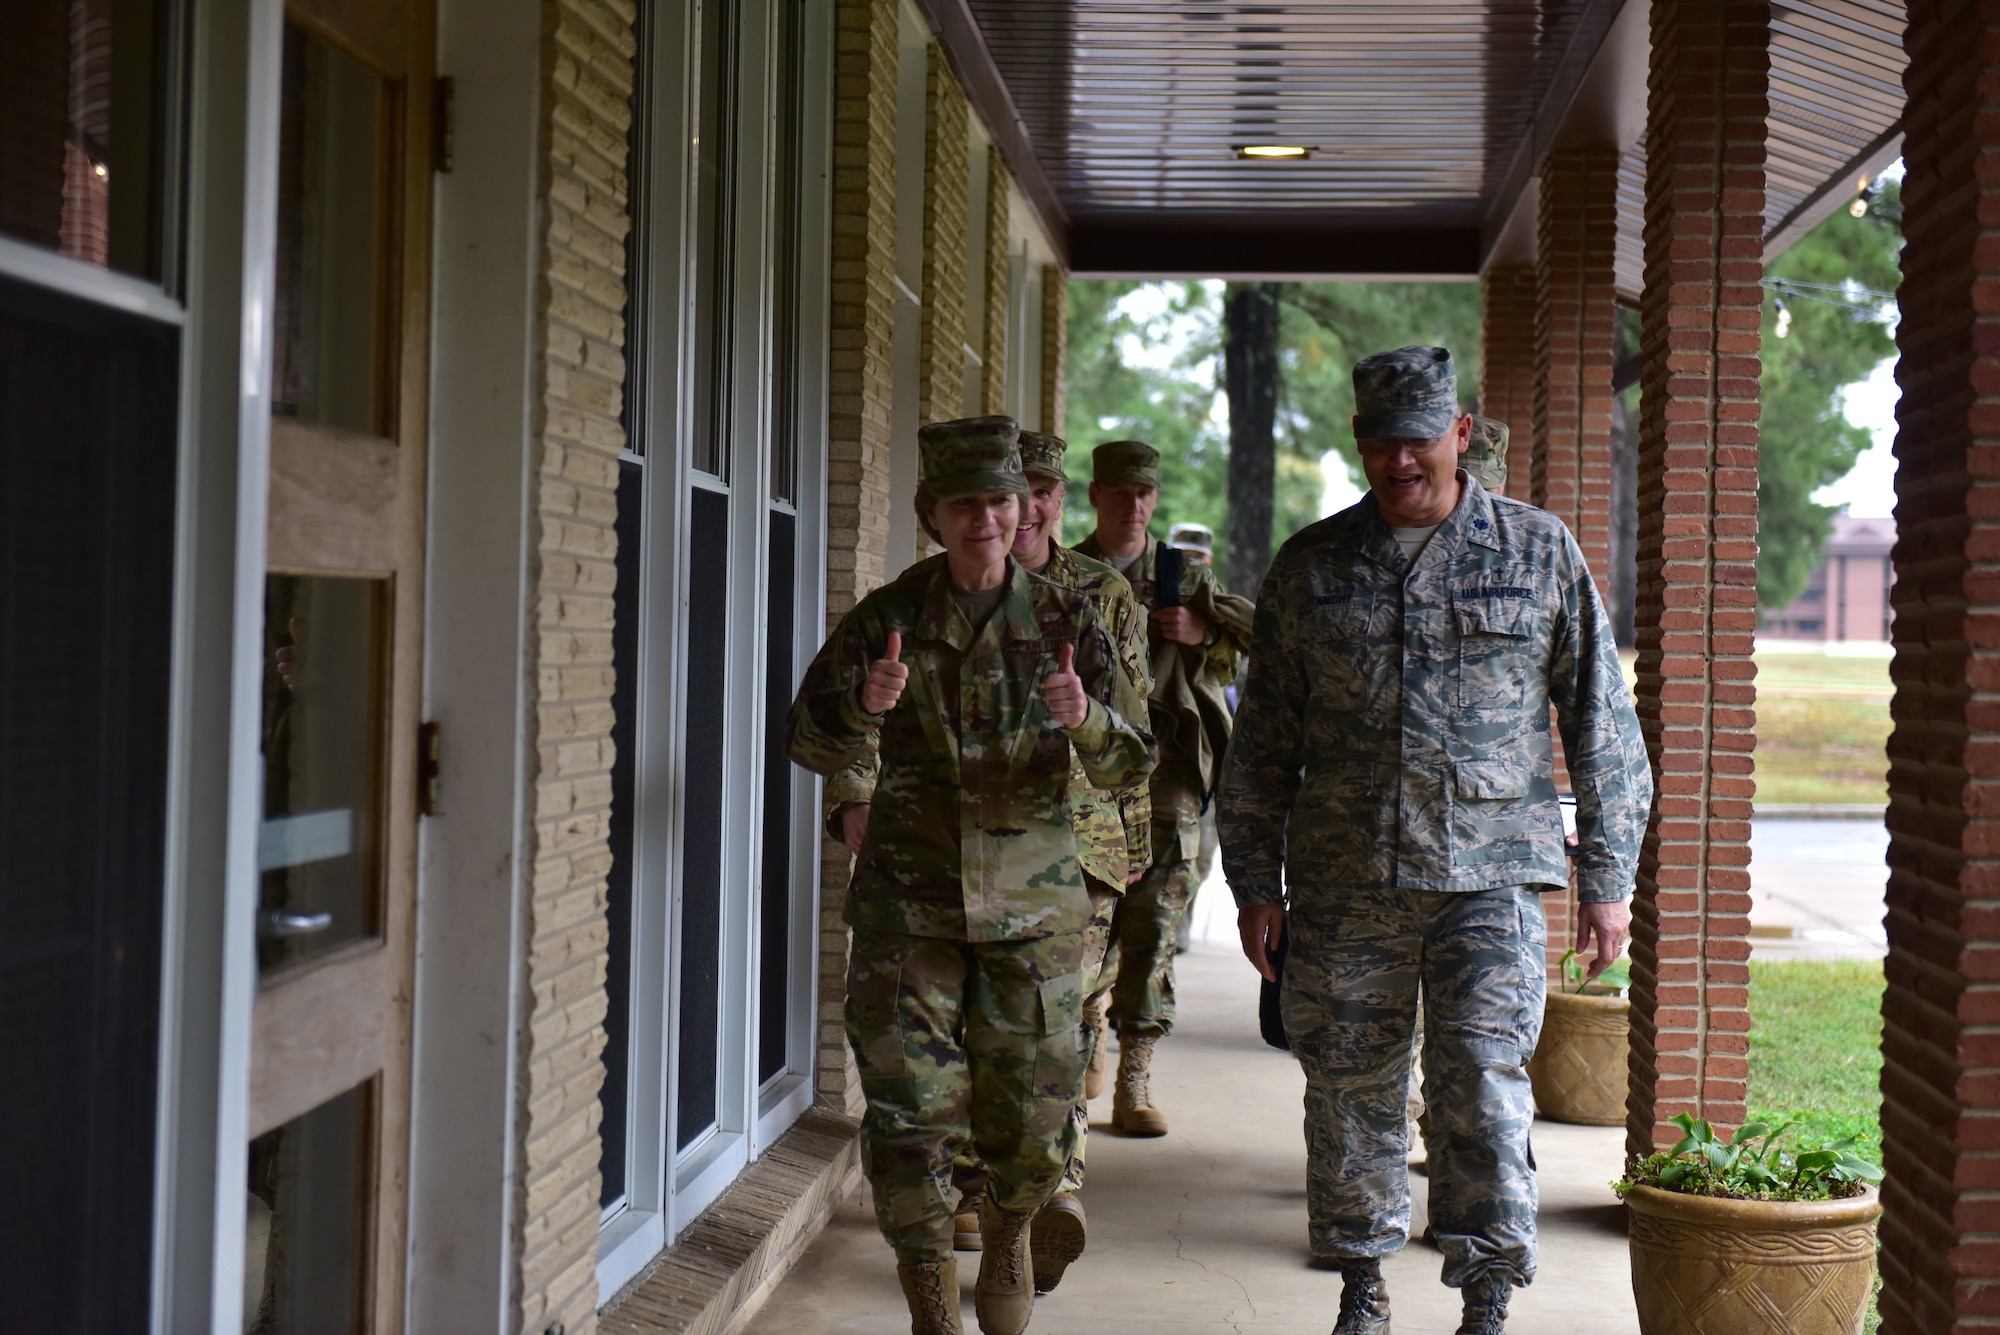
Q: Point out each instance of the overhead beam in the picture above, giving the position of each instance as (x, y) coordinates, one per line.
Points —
(1143, 246)
(1839, 188)
(957, 31)
(1566, 80)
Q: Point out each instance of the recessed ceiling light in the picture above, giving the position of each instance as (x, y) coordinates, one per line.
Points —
(1271, 152)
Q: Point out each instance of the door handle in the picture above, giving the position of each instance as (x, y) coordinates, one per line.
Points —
(278, 923)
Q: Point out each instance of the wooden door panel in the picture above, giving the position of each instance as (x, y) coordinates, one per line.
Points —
(336, 501)
(319, 1034)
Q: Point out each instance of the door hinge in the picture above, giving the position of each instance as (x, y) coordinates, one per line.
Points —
(444, 118)
(430, 761)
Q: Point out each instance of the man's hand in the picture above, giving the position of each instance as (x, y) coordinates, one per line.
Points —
(1262, 927)
(1611, 924)
(1063, 689)
(887, 676)
(854, 826)
(1182, 625)
(1133, 876)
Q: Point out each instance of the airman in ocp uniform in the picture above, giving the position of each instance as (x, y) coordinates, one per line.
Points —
(979, 681)
(1112, 830)
(1197, 633)
(1392, 773)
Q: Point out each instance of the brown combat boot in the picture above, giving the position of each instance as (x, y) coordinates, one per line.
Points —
(931, 1288)
(1100, 1046)
(1005, 1298)
(1364, 1301)
(1057, 1239)
(965, 1221)
(1132, 1109)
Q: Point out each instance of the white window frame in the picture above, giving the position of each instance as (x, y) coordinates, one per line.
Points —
(666, 1189)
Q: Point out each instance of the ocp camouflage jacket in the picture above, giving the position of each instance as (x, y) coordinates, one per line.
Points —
(1113, 828)
(1394, 730)
(969, 837)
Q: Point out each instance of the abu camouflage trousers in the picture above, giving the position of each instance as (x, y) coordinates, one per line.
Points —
(1358, 962)
(1146, 929)
(963, 1046)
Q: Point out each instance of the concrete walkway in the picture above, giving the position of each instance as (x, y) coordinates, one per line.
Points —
(1204, 1230)
(1818, 889)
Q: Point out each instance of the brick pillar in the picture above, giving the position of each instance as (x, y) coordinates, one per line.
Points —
(1507, 361)
(861, 363)
(1697, 604)
(993, 338)
(1055, 346)
(1941, 1060)
(941, 342)
(1576, 309)
(586, 94)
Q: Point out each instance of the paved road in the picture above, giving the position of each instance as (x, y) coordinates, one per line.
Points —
(1816, 892)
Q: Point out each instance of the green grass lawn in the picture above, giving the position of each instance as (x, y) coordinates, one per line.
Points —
(1822, 728)
(1816, 1049)
(1816, 1056)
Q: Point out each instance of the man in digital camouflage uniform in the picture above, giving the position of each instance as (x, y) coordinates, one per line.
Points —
(1112, 829)
(1392, 774)
(1191, 647)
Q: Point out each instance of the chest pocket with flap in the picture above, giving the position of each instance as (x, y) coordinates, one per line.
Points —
(1497, 626)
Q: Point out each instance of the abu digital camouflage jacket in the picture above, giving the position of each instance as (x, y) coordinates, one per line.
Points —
(1113, 827)
(1394, 730)
(969, 836)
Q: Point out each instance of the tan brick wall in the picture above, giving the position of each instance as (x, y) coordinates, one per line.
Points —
(581, 369)
(993, 338)
(1055, 346)
(947, 145)
(858, 500)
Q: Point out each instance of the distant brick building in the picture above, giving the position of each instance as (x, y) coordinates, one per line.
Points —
(1847, 597)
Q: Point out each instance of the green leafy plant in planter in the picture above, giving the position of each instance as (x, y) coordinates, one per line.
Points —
(1751, 1166)
(1747, 1234)
(1576, 980)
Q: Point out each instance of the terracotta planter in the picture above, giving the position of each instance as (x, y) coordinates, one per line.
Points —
(1578, 1069)
(1714, 1267)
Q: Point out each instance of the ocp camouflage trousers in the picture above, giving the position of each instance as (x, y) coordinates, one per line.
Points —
(1357, 962)
(1100, 967)
(1148, 922)
(963, 1045)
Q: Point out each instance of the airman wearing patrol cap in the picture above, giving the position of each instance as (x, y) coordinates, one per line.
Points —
(1197, 632)
(976, 683)
(1392, 775)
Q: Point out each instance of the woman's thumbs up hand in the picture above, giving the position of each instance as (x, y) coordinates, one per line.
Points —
(1063, 690)
(887, 676)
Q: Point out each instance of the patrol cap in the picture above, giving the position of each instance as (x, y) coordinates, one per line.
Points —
(1193, 538)
(969, 456)
(1042, 456)
(1117, 463)
(1486, 457)
(1411, 392)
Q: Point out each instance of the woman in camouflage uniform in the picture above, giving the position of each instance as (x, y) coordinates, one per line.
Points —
(967, 901)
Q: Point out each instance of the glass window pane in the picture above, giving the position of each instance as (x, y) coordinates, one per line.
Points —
(700, 943)
(305, 1232)
(786, 236)
(328, 359)
(715, 188)
(774, 988)
(323, 760)
(82, 124)
(618, 882)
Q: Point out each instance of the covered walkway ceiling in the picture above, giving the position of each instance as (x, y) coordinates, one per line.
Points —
(1427, 120)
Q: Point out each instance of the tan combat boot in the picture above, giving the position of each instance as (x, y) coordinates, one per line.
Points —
(1006, 1295)
(965, 1221)
(1100, 1046)
(931, 1288)
(1057, 1239)
(1132, 1109)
